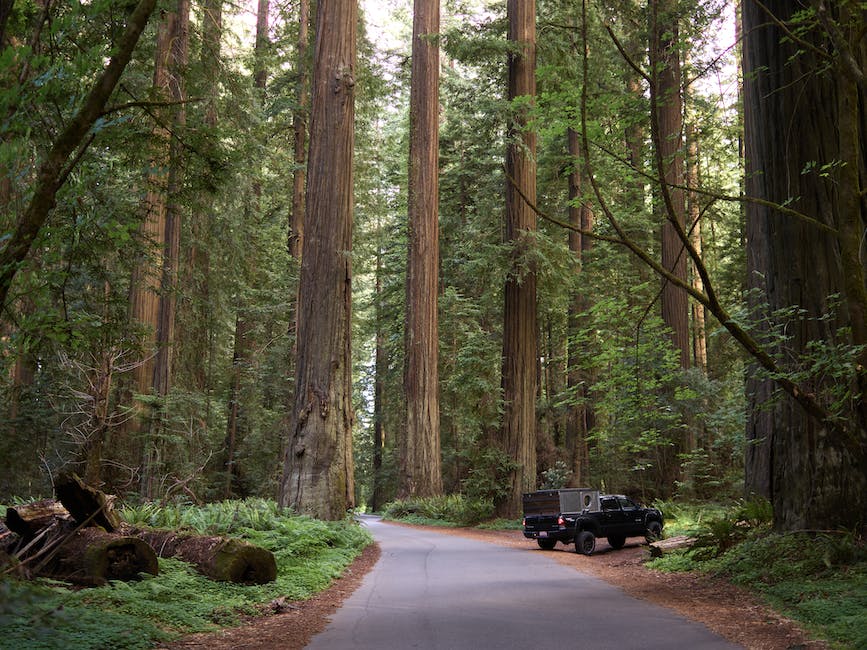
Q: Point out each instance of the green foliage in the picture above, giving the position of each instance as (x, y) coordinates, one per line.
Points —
(451, 510)
(556, 477)
(309, 554)
(819, 579)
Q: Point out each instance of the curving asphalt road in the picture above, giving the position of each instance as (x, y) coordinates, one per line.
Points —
(443, 592)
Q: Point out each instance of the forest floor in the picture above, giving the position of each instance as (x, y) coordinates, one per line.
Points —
(726, 609)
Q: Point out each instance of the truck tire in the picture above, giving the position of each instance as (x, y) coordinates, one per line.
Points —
(546, 544)
(616, 541)
(654, 532)
(585, 542)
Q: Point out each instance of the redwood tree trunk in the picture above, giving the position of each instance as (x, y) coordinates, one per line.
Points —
(519, 327)
(318, 469)
(815, 473)
(421, 475)
(667, 103)
(580, 418)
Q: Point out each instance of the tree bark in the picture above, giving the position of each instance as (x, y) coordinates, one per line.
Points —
(220, 558)
(54, 169)
(92, 557)
(299, 141)
(667, 124)
(422, 474)
(813, 469)
(318, 469)
(580, 418)
(699, 333)
(519, 328)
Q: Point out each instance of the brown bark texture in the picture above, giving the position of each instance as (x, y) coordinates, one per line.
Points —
(519, 377)
(299, 128)
(220, 558)
(28, 519)
(92, 557)
(580, 418)
(86, 504)
(667, 124)
(699, 332)
(805, 141)
(422, 474)
(54, 170)
(318, 469)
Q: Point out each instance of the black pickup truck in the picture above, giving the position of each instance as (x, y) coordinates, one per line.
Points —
(580, 515)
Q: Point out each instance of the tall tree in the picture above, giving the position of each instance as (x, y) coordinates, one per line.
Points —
(421, 473)
(318, 469)
(580, 418)
(667, 129)
(519, 325)
(299, 128)
(806, 70)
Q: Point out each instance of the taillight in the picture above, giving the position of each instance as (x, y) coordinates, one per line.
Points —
(561, 521)
(524, 522)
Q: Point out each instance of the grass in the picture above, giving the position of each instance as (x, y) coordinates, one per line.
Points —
(817, 579)
(450, 510)
(309, 554)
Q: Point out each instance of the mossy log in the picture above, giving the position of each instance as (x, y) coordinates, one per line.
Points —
(220, 558)
(87, 505)
(92, 556)
(28, 519)
(657, 549)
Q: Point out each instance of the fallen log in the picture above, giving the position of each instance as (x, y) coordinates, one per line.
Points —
(220, 558)
(657, 549)
(29, 518)
(87, 505)
(91, 556)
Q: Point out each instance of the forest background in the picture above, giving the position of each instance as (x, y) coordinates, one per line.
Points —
(148, 336)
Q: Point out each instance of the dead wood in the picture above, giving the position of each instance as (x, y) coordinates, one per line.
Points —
(220, 558)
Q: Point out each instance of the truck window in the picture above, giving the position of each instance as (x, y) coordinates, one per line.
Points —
(610, 504)
(626, 504)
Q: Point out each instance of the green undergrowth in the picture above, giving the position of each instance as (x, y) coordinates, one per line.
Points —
(816, 578)
(447, 510)
(309, 554)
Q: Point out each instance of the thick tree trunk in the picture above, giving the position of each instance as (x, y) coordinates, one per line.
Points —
(519, 328)
(422, 474)
(318, 469)
(667, 106)
(220, 558)
(814, 471)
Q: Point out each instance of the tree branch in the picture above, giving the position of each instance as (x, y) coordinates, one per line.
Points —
(53, 170)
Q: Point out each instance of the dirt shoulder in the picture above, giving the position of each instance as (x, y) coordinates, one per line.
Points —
(727, 610)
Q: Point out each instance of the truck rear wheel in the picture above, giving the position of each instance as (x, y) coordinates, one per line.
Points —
(616, 541)
(585, 542)
(546, 544)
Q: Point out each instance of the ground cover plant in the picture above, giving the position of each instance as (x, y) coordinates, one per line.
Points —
(309, 554)
(818, 578)
(448, 510)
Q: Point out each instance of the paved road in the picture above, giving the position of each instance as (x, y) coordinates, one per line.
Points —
(443, 592)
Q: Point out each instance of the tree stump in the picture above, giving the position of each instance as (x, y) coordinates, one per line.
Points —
(92, 556)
